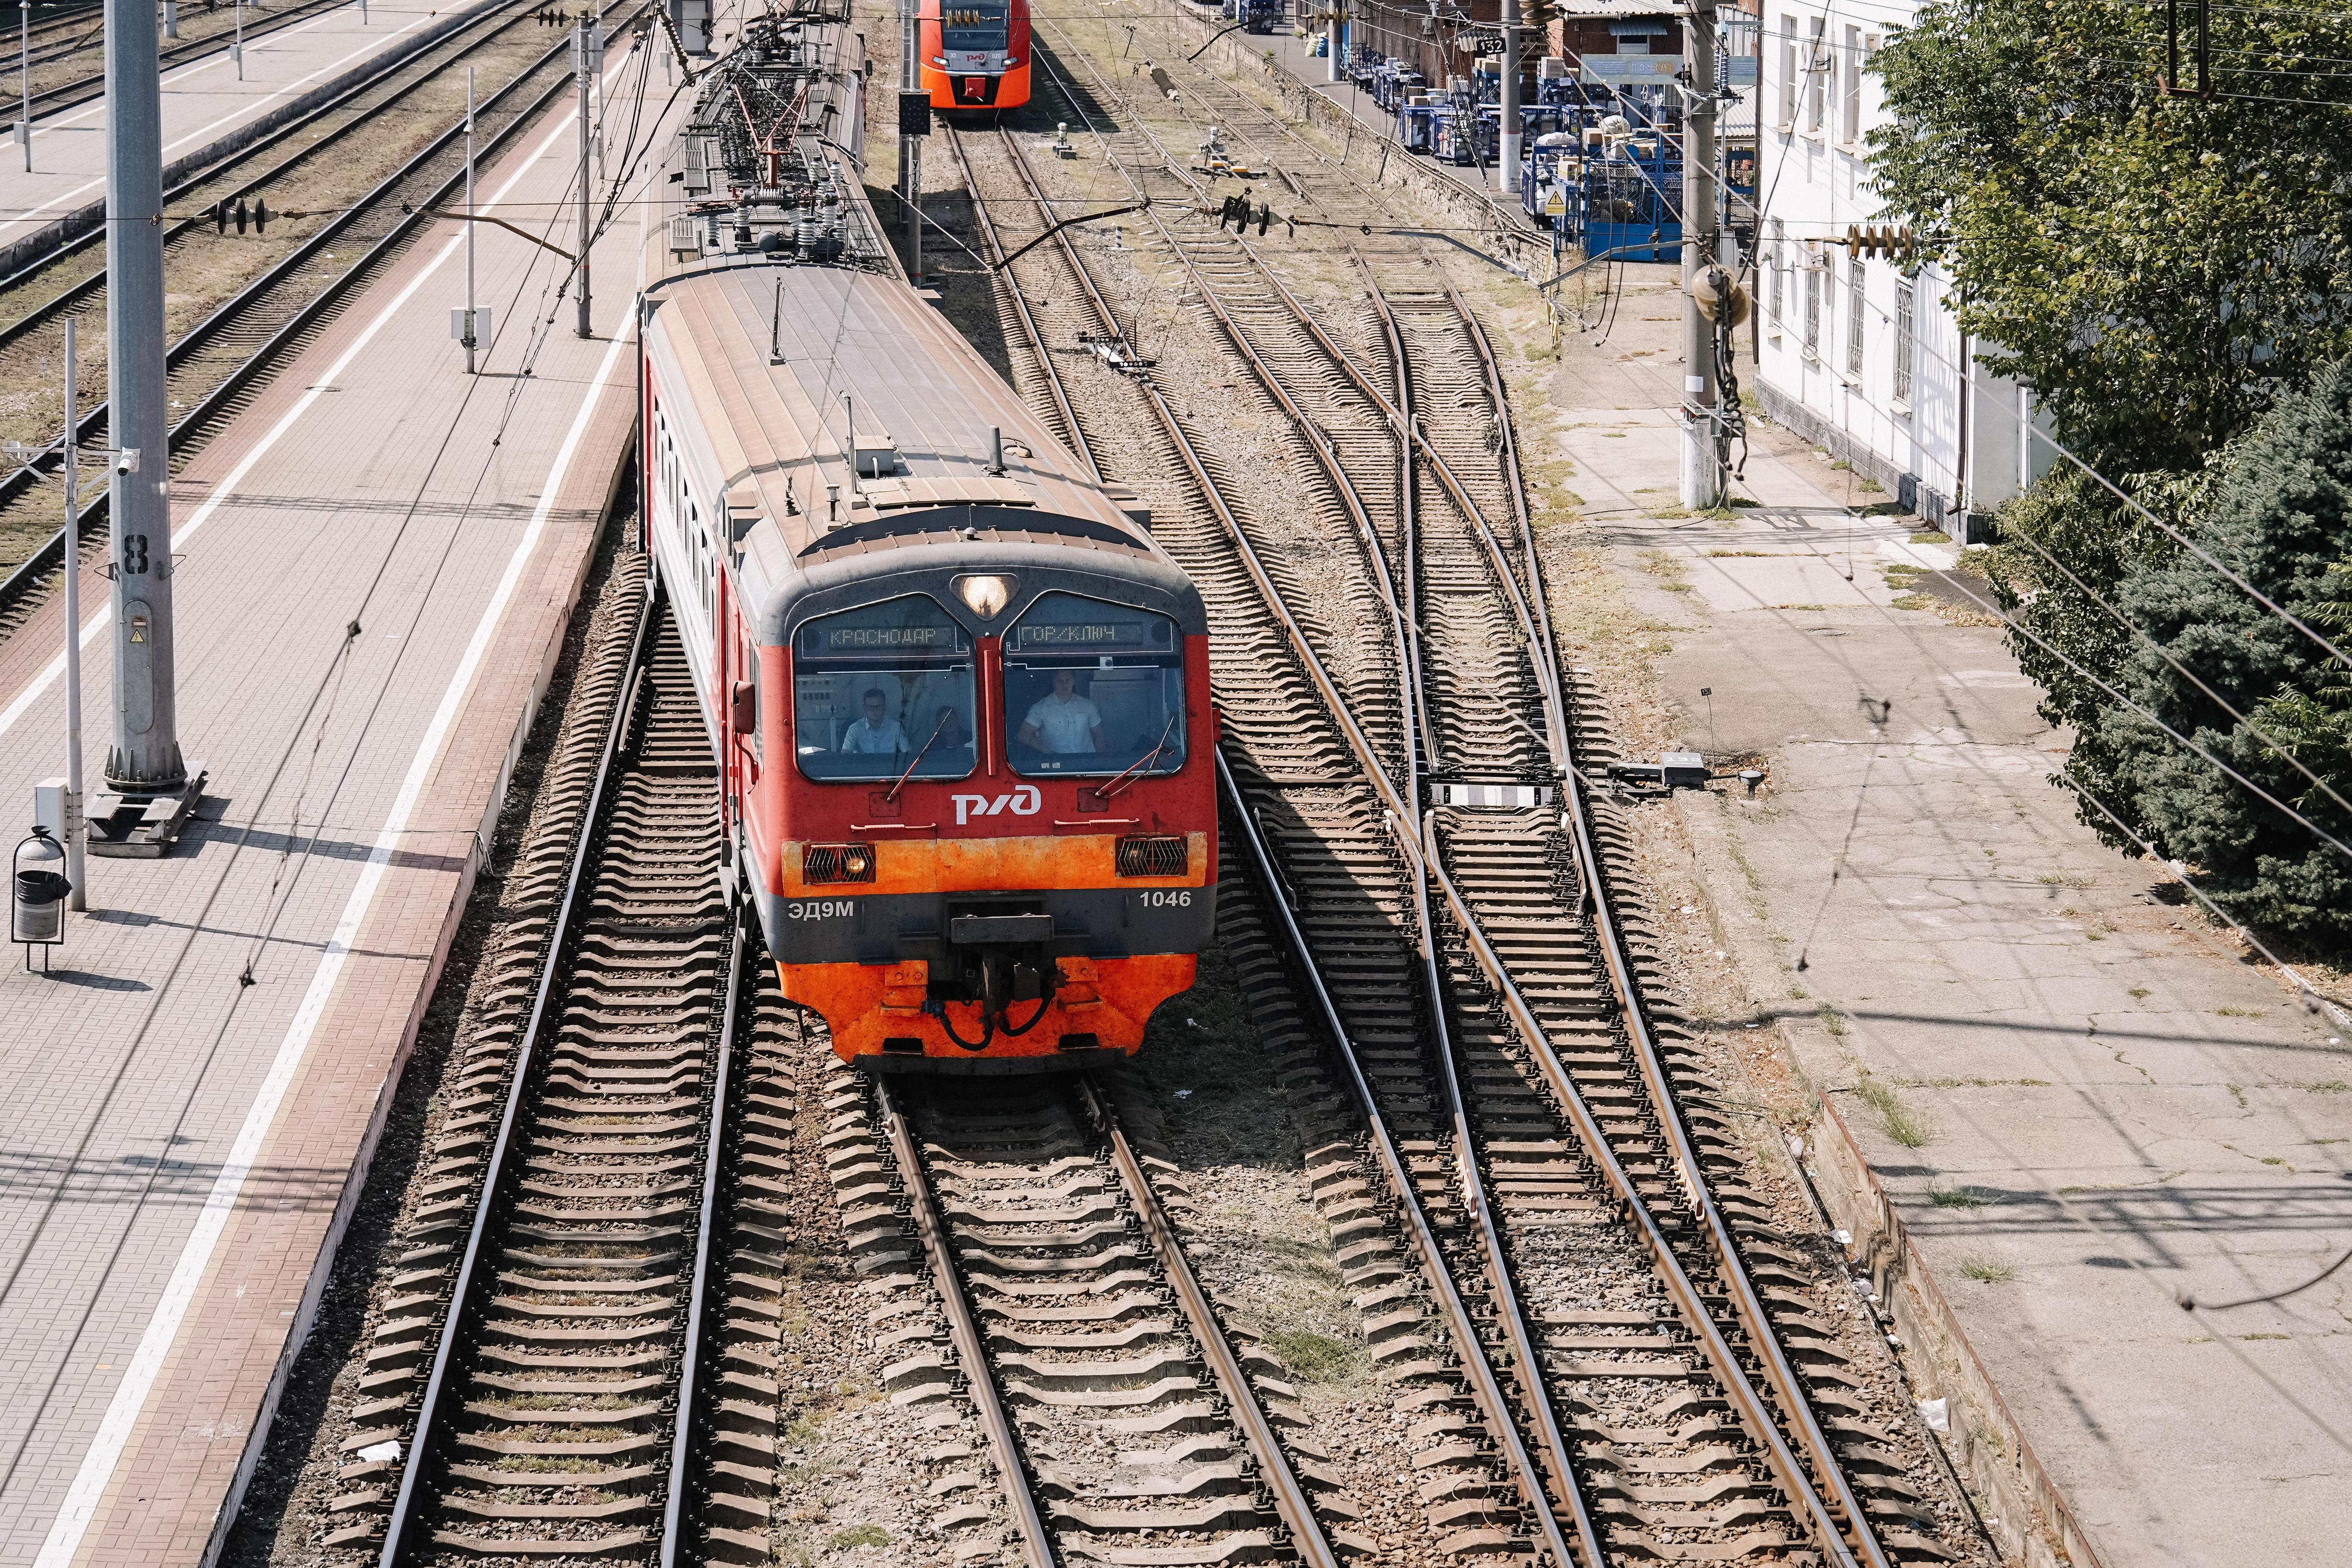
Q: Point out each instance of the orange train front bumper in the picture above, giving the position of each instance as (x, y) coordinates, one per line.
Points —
(868, 1007)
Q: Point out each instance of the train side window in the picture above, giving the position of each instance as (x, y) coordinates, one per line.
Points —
(882, 690)
(1093, 688)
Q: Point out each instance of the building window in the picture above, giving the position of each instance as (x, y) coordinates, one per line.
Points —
(1817, 66)
(1904, 349)
(1779, 265)
(1855, 304)
(1850, 98)
(1792, 72)
(1813, 310)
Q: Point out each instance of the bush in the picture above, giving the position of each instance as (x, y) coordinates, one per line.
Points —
(2280, 514)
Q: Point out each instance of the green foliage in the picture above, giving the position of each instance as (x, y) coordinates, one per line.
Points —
(1316, 1358)
(2173, 279)
(2158, 269)
(2280, 514)
(857, 1535)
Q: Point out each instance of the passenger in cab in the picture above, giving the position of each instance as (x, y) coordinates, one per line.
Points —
(875, 735)
(1063, 723)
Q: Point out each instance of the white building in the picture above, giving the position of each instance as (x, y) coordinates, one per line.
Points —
(1859, 354)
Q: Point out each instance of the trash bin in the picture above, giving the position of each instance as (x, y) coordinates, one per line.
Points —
(36, 904)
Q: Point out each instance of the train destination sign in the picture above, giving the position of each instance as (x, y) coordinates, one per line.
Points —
(852, 639)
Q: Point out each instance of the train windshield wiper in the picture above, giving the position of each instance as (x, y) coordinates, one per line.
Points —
(937, 731)
(1135, 769)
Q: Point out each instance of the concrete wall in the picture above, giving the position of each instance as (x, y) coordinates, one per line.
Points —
(1958, 439)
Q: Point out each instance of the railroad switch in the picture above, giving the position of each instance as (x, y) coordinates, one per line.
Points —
(1114, 351)
(1671, 772)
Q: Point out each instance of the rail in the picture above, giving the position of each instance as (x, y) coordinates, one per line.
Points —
(218, 325)
(604, 905)
(1418, 845)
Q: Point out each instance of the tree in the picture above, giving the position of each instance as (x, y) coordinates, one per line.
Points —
(2158, 269)
(2164, 272)
(2280, 515)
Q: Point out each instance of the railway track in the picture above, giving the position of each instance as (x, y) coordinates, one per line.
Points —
(572, 1354)
(41, 290)
(203, 33)
(1614, 1365)
(1042, 1314)
(56, 31)
(216, 365)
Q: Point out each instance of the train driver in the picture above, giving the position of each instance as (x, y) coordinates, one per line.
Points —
(874, 735)
(950, 732)
(1063, 723)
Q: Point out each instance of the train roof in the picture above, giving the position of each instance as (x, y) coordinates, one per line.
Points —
(778, 362)
(778, 321)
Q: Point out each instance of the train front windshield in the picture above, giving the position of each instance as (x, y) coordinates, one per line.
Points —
(970, 28)
(883, 691)
(1093, 688)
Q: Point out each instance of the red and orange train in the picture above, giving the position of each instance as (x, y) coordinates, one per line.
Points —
(959, 695)
(975, 53)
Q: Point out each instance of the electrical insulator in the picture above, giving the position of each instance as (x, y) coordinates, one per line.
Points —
(1711, 287)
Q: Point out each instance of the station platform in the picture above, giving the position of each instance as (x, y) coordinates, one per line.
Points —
(375, 565)
(206, 109)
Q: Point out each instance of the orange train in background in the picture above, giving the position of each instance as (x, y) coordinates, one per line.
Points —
(975, 53)
(959, 694)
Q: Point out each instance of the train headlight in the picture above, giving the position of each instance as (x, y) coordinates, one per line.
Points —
(987, 594)
(837, 863)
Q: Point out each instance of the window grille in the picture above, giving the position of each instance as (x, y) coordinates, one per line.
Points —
(1779, 266)
(1813, 310)
(1856, 303)
(1904, 346)
(1152, 855)
(837, 863)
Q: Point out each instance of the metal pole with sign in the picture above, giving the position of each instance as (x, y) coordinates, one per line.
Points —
(73, 836)
(149, 788)
(1512, 127)
(473, 337)
(1702, 474)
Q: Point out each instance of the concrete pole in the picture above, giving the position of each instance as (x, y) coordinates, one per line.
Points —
(237, 44)
(1334, 40)
(1507, 166)
(471, 342)
(1702, 474)
(145, 758)
(585, 58)
(75, 834)
(171, 18)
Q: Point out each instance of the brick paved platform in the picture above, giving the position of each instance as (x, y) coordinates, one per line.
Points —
(195, 1091)
(206, 109)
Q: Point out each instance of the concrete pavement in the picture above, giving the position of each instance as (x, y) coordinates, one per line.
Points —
(2080, 1097)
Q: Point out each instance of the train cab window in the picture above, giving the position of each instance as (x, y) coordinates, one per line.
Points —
(882, 689)
(971, 24)
(1093, 688)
